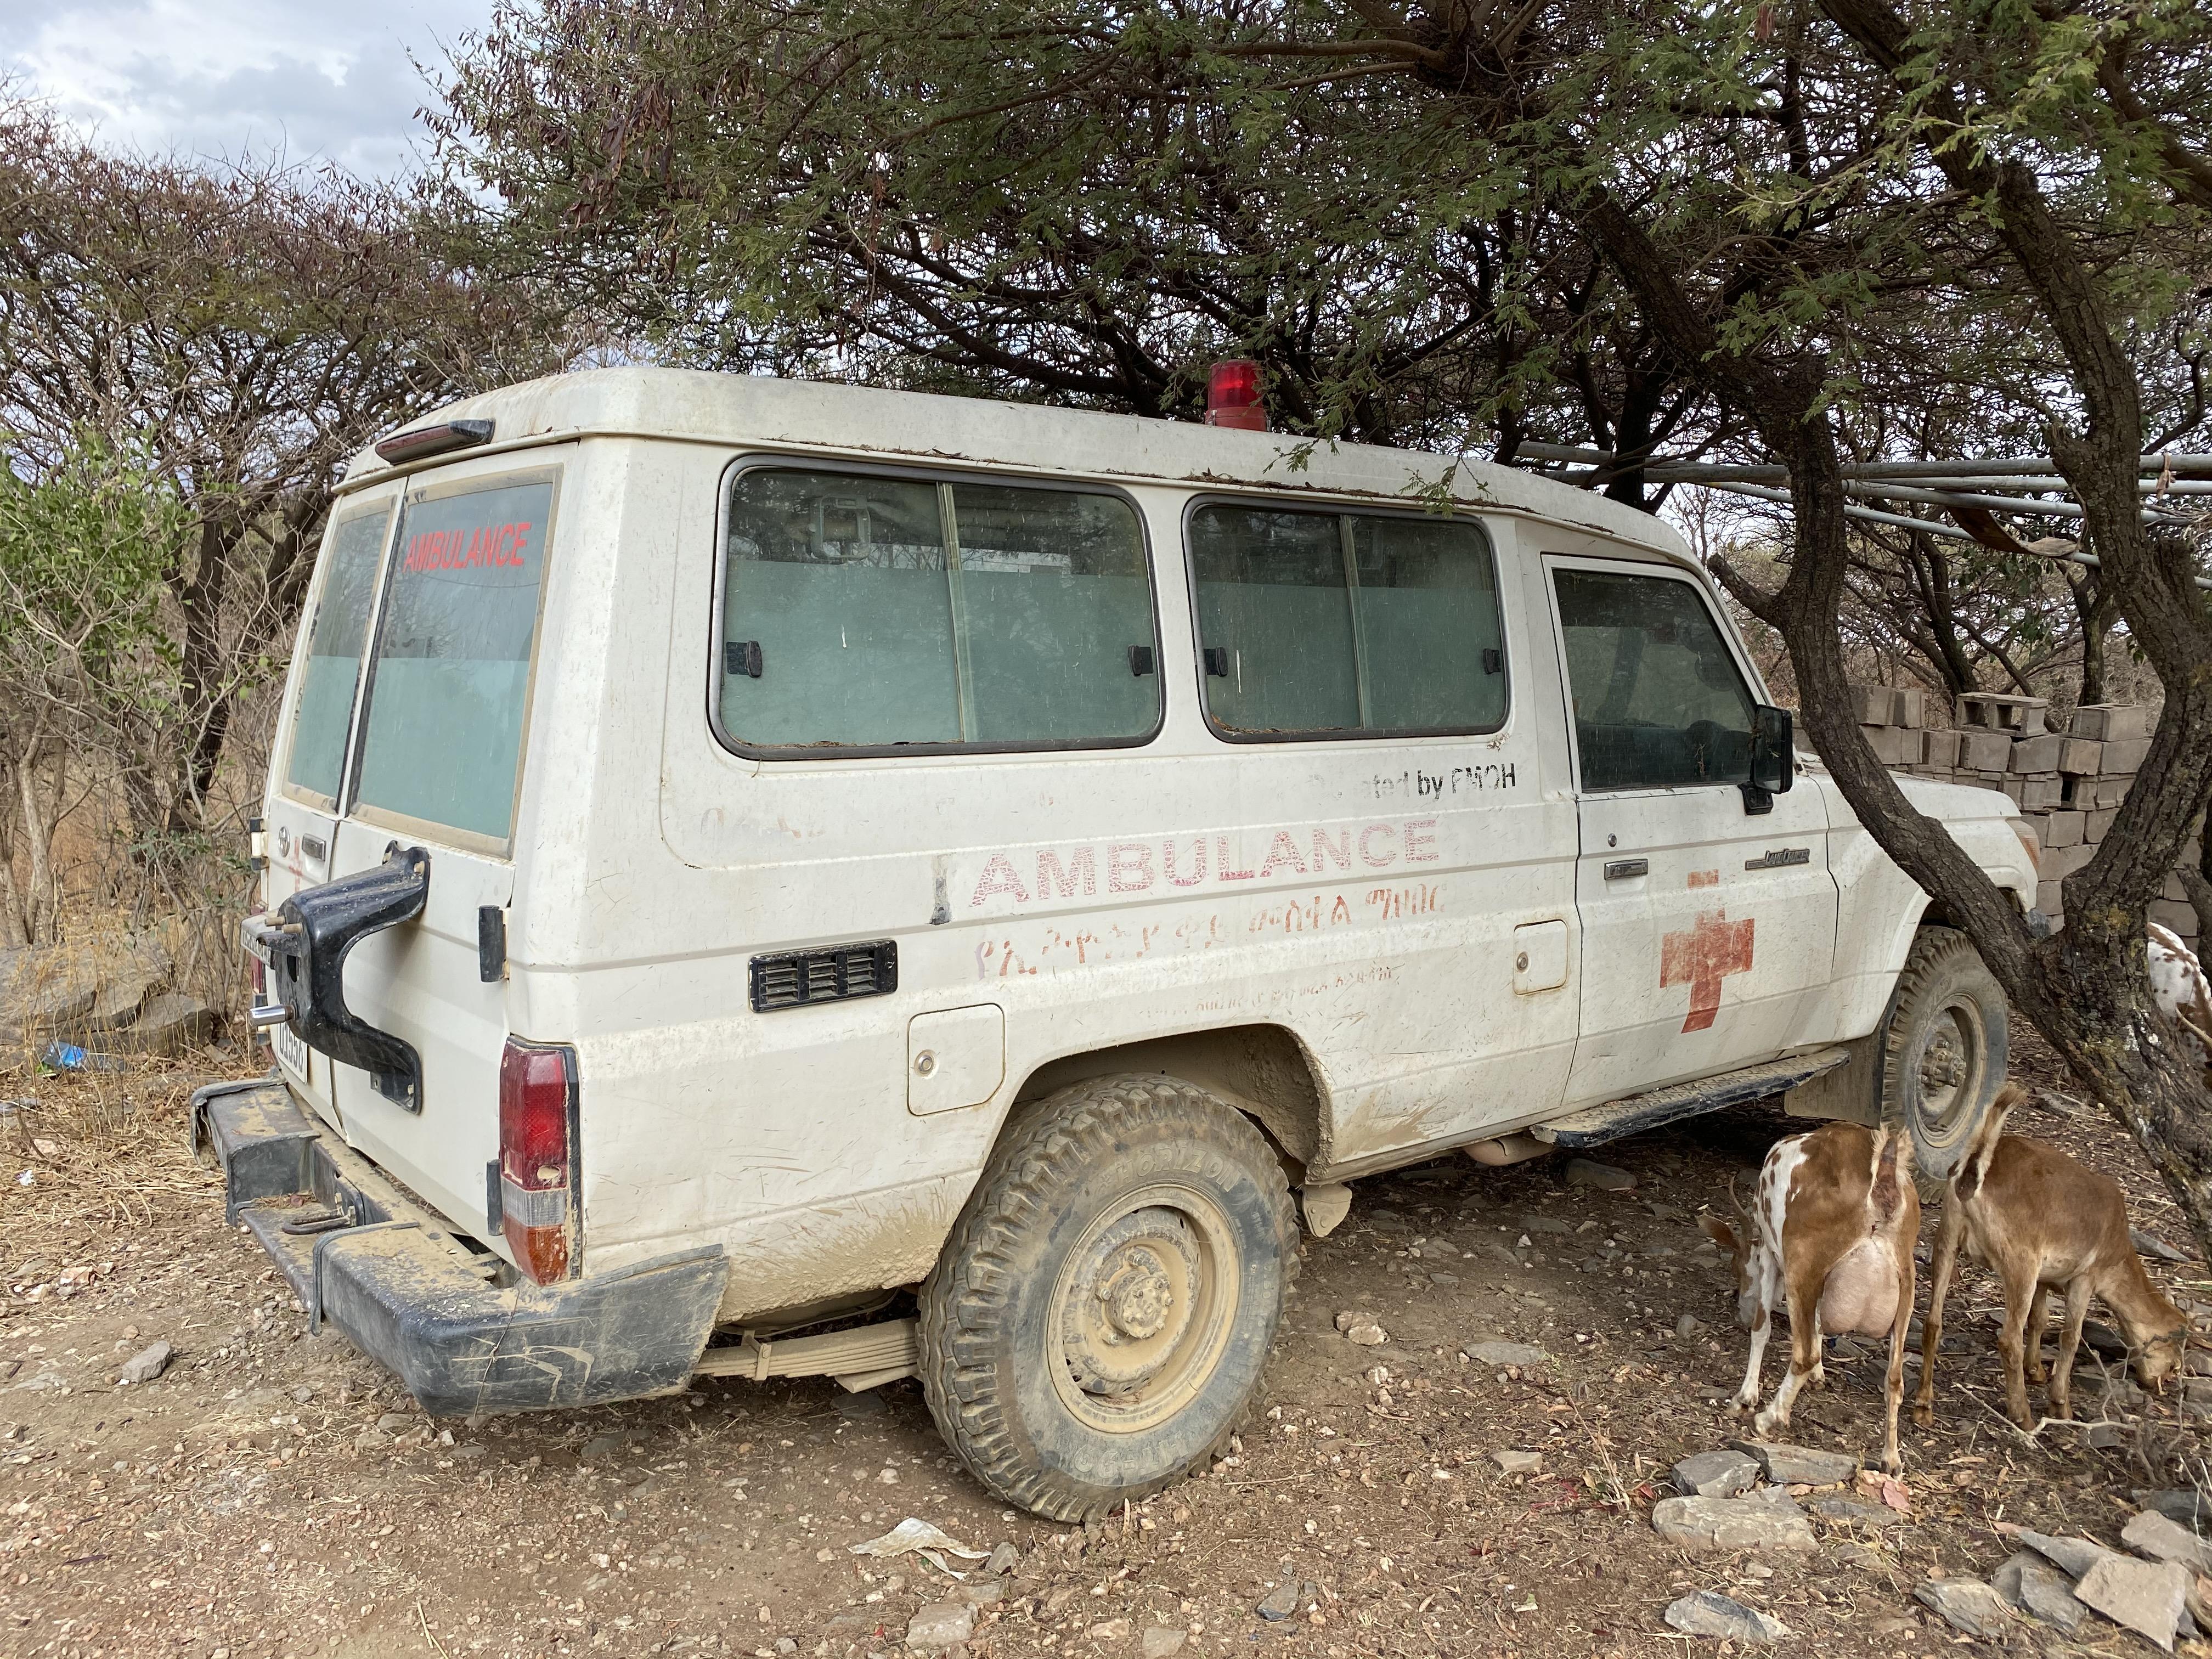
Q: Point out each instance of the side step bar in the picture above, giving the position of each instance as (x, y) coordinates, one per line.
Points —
(1615, 1120)
(864, 1357)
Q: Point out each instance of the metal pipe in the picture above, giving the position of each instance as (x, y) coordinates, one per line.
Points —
(1927, 527)
(2189, 465)
(1517, 1148)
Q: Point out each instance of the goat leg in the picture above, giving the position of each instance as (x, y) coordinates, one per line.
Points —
(1764, 1280)
(2069, 1340)
(1804, 1286)
(1893, 1384)
(2039, 1321)
(2019, 1295)
(1931, 1328)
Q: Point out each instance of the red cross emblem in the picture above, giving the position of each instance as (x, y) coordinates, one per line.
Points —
(1701, 957)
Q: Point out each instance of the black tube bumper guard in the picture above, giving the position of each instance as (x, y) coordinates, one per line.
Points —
(362, 1255)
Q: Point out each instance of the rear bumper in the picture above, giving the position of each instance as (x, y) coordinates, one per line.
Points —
(389, 1273)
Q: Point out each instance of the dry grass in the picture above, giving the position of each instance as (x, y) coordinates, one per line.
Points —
(104, 1151)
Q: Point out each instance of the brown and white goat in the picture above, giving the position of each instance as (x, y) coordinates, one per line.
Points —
(2178, 986)
(2044, 1222)
(1829, 1235)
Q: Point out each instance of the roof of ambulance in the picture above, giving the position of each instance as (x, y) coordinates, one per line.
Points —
(823, 417)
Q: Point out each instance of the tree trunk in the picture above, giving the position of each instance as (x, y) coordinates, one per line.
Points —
(2084, 989)
(2097, 611)
(12, 930)
(36, 827)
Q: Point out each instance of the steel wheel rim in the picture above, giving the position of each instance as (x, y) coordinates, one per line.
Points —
(1142, 1308)
(1947, 1071)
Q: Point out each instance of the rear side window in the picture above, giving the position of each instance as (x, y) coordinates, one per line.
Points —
(1659, 704)
(449, 685)
(1326, 624)
(331, 672)
(873, 612)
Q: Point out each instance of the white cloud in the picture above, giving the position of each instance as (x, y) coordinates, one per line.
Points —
(312, 79)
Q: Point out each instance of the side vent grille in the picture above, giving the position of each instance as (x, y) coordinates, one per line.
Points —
(838, 973)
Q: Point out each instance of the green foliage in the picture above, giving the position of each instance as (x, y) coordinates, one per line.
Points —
(85, 544)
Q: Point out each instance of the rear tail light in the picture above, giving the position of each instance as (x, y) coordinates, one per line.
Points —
(1232, 396)
(537, 1157)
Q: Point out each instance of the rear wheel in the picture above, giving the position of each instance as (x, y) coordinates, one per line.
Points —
(1099, 1317)
(1942, 1049)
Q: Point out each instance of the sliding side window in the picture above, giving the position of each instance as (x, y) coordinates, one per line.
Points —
(1346, 624)
(862, 612)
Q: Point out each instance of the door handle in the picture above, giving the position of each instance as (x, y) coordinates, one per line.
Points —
(1621, 869)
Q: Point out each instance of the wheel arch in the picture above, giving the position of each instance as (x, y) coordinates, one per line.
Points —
(1261, 1069)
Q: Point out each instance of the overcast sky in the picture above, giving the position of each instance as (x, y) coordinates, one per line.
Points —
(313, 78)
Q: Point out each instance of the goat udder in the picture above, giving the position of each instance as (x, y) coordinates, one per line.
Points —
(1861, 1294)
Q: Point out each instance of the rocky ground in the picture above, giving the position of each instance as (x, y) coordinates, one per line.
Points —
(1489, 1477)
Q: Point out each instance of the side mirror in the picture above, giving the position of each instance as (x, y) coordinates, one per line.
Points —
(1773, 757)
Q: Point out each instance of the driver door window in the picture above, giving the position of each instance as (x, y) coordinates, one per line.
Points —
(1658, 701)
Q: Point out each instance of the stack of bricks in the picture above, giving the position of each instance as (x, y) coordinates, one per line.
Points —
(2068, 784)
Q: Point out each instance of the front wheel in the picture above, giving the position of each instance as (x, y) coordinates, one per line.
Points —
(1942, 1049)
(1101, 1314)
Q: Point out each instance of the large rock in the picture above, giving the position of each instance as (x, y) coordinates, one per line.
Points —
(1708, 1612)
(1601, 1177)
(1968, 1604)
(146, 1364)
(940, 1625)
(171, 1023)
(1280, 1602)
(123, 993)
(77, 990)
(2075, 1555)
(44, 989)
(1799, 1466)
(1853, 1512)
(2186, 1503)
(2164, 1539)
(1752, 1523)
(1716, 1474)
(2149, 1597)
(2040, 1590)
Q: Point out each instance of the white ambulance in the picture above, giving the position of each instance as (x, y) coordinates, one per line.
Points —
(768, 879)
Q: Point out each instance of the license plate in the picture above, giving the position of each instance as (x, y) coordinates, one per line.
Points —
(291, 1052)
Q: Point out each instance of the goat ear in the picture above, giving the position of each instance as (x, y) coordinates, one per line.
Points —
(1718, 1230)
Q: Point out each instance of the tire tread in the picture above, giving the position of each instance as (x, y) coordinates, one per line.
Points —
(962, 1302)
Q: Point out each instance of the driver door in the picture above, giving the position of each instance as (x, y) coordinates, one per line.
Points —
(1709, 929)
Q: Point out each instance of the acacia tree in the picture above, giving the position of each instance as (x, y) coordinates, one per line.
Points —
(1795, 208)
(84, 657)
(245, 329)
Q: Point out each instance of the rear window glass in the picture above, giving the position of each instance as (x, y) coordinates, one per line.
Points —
(441, 742)
(1315, 624)
(331, 672)
(873, 612)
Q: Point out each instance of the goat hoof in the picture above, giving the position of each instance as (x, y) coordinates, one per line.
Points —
(1893, 1464)
(1925, 1416)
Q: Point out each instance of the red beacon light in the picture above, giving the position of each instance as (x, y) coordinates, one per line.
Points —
(1232, 396)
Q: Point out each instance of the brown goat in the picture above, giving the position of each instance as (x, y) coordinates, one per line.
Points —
(1831, 1233)
(2044, 1222)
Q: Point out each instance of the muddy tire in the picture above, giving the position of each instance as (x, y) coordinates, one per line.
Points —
(1943, 1051)
(1099, 1317)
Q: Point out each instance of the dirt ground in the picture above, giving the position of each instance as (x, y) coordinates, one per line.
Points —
(275, 1494)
